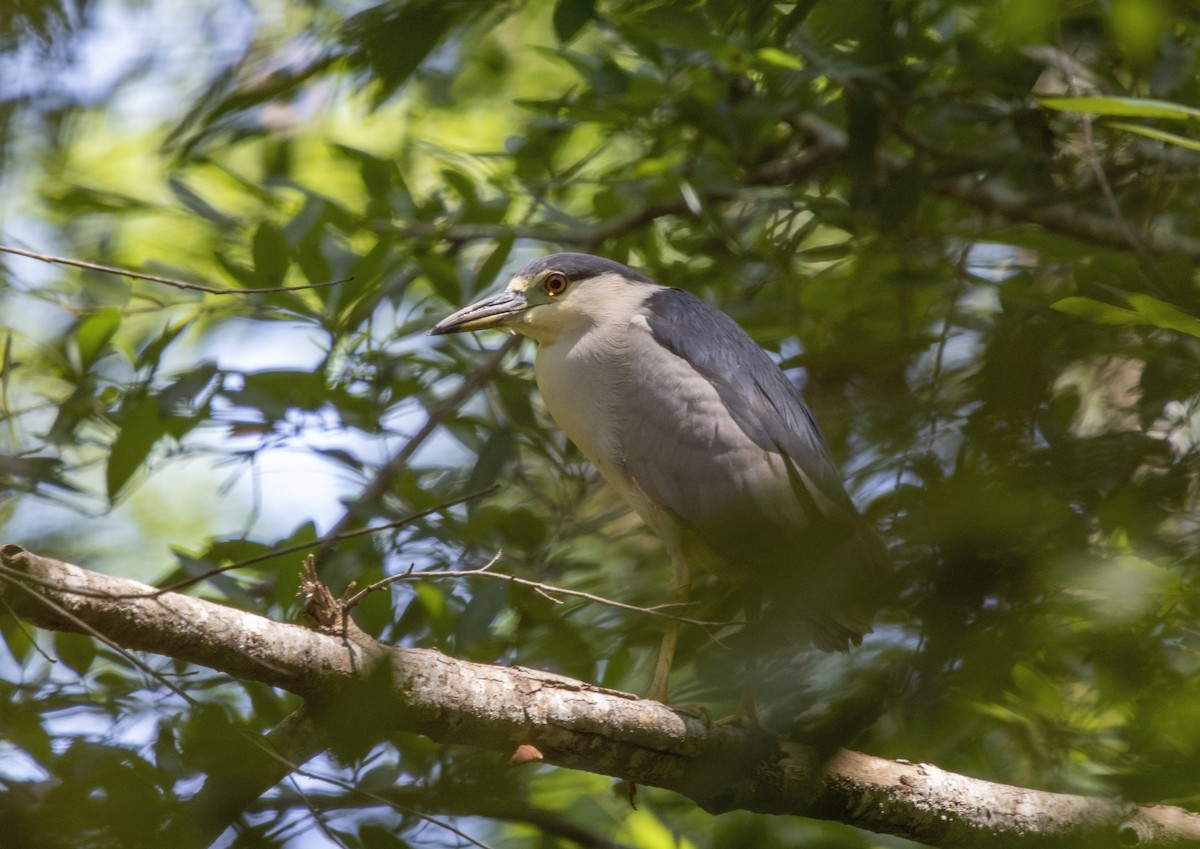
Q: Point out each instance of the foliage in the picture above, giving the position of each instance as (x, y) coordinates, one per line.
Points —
(990, 297)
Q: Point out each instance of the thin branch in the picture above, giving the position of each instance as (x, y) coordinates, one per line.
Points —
(329, 538)
(375, 797)
(784, 172)
(16, 578)
(169, 281)
(1092, 157)
(451, 801)
(25, 631)
(316, 815)
(547, 591)
(387, 473)
(297, 739)
(997, 198)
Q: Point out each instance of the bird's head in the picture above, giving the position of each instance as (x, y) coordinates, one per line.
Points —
(553, 296)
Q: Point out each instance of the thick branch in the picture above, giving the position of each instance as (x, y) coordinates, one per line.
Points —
(581, 726)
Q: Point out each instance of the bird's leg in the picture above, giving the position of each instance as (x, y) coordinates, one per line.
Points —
(680, 588)
(747, 712)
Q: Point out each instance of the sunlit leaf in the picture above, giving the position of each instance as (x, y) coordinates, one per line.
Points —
(1146, 310)
(95, 331)
(1096, 311)
(1163, 315)
(780, 58)
(1123, 107)
(1159, 135)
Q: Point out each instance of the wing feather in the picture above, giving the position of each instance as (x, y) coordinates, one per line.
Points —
(719, 437)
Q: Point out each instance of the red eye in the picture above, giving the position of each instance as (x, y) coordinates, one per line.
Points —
(556, 283)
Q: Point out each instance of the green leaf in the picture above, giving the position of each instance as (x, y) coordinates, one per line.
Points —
(94, 332)
(1125, 107)
(1146, 310)
(1164, 315)
(199, 205)
(141, 427)
(436, 605)
(495, 261)
(76, 651)
(375, 836)
(1159, 135)
(493, 458)
(421, 25)
(17, 638)
(570, 16)
(270, 254)
(1095, 311)
(780, 58)
(152, 353)
(443, 275)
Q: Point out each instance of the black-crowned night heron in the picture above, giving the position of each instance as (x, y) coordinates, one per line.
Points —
(705, 437)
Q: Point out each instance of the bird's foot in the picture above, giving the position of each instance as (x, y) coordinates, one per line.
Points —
(746, 716)
(697, 711)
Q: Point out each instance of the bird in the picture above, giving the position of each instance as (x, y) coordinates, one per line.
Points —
(704, 436)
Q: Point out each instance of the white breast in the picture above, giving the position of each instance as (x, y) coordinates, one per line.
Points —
(580, 377)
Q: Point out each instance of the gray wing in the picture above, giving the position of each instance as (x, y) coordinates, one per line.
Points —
(725, 442)
(756, 396)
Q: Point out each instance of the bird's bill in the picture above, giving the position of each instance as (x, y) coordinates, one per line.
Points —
(492, 311)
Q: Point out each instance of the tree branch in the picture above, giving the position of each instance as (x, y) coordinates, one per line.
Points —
(168, 281)
(581, 726)
(828, 144)
(994, 197)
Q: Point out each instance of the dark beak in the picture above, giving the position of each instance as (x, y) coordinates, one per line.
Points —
(492, 311)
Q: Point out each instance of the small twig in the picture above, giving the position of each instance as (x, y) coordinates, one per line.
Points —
(998, 198)
(960, 273)
(547, 591)
(25, 631)
(1092, 157)
(19, 579)
(382, 800)
(383, 479)
(298, 547)
(328, 539)
(315, 814)
(169, 281)
(451, 803)
(274, 553)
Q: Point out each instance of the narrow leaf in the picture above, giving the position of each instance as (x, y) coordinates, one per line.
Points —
(570, 16)
(141, 427)
(94, 331)
(1159, 135)
(780, 58)
(1097, 311)
(270, 254)
(1164, 315)
(495, 261)
(1125, 107)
